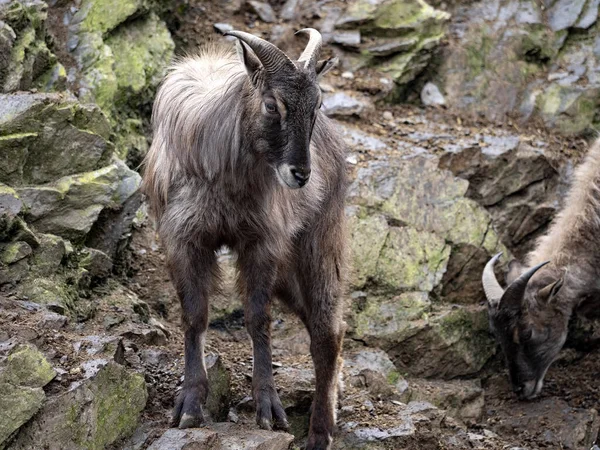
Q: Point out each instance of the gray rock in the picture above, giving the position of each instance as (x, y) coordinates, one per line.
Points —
(563, 14)
(515, 193)
(264, 11)
(350, 39)
(222, 435)
(345, 104)
(387, 47)
(98, 264)
(375, 371)
(431, 95)
(290, 9)
(15, 252)
(26, 371)
(46, 137)
(53, 321)
(359, 140)
(72, 205)
(223, 28)
(102, 409)
(574, 428)
(10, 203)
(589, 15)
(462, 399)
(145, 337)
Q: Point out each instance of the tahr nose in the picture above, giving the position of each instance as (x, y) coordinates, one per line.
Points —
(301, 175)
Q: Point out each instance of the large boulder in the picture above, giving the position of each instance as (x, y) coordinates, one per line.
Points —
(515, 179)
(48, 136)
(419, 245)
(396, 37)
(25, 60)
(70, 206)
(521, 58)
(118, 63)
(93, 414)
(22, 377)
(223, 435)
(141, 50)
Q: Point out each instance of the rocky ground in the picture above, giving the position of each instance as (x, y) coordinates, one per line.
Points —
(90, 344)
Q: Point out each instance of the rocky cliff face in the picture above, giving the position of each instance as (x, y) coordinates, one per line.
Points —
(75, 79)
(90, 344)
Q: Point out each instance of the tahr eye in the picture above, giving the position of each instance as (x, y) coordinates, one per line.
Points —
(527, 334)
(271, 108)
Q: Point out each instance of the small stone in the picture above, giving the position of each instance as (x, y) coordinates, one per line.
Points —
(232, 416)
(349, 39)
(146, 337)
(348, 75)
(345, 104)
(222, 435)
(290, 9)
(352, 159)
(223, 27)
(431, 95)
(326, 87)
(387, 115)
(264, 11)
(53, 321)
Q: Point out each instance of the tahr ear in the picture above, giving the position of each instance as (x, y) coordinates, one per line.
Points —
(325, 65)
(248, 58)
(547, 293)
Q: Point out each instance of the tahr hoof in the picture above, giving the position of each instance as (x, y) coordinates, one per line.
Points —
(269, 410)
(188, 409)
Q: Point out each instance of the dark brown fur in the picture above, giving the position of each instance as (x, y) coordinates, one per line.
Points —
(210, 184)
(532, 330)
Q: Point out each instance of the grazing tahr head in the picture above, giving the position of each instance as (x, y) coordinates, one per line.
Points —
(289, 97)
(528, 323)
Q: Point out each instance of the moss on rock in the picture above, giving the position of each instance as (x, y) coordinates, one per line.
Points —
(70, 206)
(92, 416)
(27, 366)
(104, 15)
(15, 252)
(411, 260)
(47, 136)
(142, 51)
(26, 371)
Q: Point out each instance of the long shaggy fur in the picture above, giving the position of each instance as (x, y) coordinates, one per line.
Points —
(208, 185)
(575, 232)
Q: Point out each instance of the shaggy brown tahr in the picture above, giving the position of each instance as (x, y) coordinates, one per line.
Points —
(530, 318)
(242, 157)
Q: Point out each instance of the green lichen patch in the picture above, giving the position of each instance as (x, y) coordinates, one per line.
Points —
(26, 366)
(42, 141)
(58, 293)
(411, 260)
(104, 15)
(368, 236)
(18, 404)
(70, 206)
(101, 410)
(142, 52)
(15, 252)
(385, 320)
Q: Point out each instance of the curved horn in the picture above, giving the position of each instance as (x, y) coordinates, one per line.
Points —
(514, 293)
(493, 290)
(311, 53)
(272, 59)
